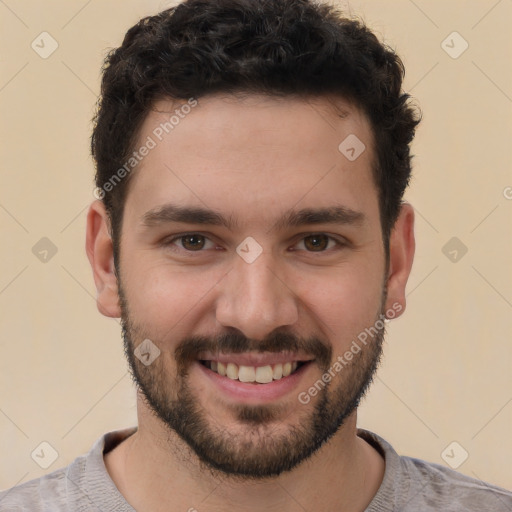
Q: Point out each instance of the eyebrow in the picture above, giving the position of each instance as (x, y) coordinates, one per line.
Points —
(293, 218)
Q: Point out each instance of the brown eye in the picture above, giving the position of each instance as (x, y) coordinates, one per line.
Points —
(316, 242)
(193, 242)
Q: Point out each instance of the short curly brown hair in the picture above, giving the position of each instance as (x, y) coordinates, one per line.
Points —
(273, 47)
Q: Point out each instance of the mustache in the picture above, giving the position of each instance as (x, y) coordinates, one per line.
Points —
(236, 343)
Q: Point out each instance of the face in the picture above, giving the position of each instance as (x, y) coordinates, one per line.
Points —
(252, 258)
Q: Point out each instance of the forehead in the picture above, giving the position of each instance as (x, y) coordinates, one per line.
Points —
(254, 152)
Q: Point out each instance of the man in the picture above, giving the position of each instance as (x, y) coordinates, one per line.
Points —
(252, 157)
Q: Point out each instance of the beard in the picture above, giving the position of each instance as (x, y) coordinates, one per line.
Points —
(263, 444)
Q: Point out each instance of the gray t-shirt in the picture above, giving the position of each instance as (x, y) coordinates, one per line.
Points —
(408, 485)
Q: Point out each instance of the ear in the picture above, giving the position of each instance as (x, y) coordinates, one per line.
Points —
(100, 252)
(401, 255)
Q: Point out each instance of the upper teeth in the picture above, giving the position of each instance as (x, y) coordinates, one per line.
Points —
(260, 374)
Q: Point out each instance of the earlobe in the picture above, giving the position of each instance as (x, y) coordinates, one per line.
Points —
(99, 248)
(401, 255)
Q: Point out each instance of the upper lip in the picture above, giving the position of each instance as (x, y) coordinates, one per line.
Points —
(255, 358)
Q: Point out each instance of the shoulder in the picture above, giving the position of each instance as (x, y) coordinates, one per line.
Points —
(412, 484)
(452, 490)
(82, 486)
(37, 494)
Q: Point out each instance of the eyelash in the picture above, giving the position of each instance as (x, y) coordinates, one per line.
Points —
(339, 243)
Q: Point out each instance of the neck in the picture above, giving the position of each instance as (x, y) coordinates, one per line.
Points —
(155, 470)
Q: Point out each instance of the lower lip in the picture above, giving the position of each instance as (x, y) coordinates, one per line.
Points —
(256, 393)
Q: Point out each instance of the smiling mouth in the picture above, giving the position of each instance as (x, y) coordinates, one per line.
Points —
(254, 374)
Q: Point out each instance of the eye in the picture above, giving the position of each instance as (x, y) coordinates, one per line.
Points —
(192, 242)
(318, 242)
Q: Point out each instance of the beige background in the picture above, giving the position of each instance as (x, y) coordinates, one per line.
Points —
(448, 365)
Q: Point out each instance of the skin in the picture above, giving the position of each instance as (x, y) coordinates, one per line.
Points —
(251, 159)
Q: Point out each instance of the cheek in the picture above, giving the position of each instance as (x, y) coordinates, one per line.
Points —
(346, 301)
(167, 299)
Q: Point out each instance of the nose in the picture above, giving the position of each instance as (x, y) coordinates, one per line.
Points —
(255, 299)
